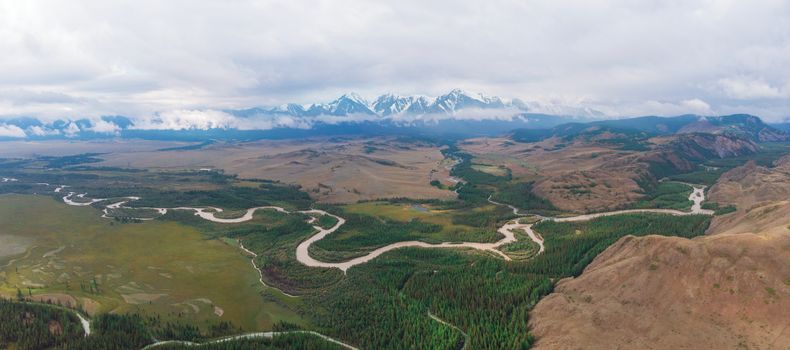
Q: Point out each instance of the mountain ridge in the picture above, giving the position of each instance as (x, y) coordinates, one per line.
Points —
(392, 104)
(457, 113)
(741, 125)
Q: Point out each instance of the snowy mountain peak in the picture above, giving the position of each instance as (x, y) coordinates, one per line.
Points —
(289, 108)
(350, 103)
(353, 97)
(389, 104)
(458, 99)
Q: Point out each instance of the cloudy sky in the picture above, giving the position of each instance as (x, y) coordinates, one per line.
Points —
(90, 58)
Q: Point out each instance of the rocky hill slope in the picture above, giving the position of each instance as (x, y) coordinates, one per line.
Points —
(621, 173)
(727, 290)
(761, 195)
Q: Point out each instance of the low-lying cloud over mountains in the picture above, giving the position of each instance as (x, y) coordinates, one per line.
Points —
(390, 109)
(455, 113)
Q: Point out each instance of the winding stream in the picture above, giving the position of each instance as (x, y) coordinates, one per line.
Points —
(255, 335)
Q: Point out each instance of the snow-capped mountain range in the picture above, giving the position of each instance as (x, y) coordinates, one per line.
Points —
(455, 112)
(390, 104)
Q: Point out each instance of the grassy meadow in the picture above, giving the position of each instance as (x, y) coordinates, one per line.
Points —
(159, 267)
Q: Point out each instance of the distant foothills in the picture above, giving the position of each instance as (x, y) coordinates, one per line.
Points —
(457, 114)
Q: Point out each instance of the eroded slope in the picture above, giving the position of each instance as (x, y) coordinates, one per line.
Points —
(727, 290)
(717, 292)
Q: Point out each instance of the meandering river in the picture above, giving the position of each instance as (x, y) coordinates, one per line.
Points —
(303, 249)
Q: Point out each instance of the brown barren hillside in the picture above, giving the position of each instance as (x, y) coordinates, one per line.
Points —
(761, 195)
(590, 174)
(750, 184)
(729, 291)
(577, 176)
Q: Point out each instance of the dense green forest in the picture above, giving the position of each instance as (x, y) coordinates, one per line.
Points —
(31, 326)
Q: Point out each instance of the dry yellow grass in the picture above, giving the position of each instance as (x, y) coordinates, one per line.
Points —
(330, 170)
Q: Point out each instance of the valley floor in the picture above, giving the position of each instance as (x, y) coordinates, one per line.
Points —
(441, 273)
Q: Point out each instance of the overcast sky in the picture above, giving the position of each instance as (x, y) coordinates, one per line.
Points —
(91, 58)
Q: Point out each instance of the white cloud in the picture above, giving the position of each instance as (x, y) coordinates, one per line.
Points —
(187, 119)
(105, 127)
(744, 88)
(662, 108)
(139, 58)
(193, 119)
(36, 130)
(11, 131)
(696, 106)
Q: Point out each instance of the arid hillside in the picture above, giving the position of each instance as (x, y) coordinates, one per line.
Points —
(729, 291)
(601, 170)
(760, 194)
